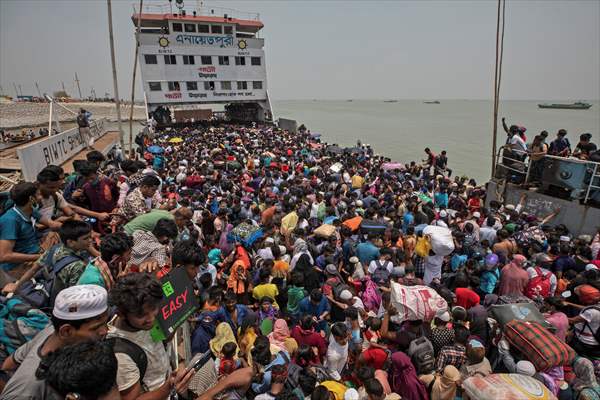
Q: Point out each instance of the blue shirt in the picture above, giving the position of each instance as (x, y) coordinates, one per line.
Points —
(407, 220)
(367, 252)
(307, 307)
(17, 227)
(441, 199)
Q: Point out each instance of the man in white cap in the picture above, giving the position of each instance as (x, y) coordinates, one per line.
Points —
(80, 314)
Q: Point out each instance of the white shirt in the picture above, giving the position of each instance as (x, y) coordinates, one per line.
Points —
(518, 143)
(583, 332)
(433, 268)
(487, 233)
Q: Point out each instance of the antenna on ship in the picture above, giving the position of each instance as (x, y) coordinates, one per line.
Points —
(78, 87)
(38, 89)
(498, 75)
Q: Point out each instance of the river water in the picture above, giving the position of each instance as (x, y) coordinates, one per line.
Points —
(461, 127)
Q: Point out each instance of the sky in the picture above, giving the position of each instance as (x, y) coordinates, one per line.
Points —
(331, 49)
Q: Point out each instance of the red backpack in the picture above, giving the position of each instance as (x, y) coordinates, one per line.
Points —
(539, 286)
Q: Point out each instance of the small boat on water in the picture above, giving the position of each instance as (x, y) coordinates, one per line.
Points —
(390, 101)
(432, 102)
(572, 106)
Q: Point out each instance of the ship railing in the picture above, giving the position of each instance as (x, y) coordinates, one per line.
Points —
(518, 162)
(202, 11)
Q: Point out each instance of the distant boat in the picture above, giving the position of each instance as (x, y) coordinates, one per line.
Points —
(390, 101)
(432, 102)
(572, 106)
(349, 101)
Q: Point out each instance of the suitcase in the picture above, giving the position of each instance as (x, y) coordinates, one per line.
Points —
(368, 226)
(538, 345)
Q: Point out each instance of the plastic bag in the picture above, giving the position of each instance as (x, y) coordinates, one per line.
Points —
(423, 246)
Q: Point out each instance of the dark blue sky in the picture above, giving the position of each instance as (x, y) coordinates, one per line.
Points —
(333, 50)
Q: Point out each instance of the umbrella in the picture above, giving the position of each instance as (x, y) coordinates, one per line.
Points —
(334, 149)
(175, 140)
(392, 165)
(156, 149)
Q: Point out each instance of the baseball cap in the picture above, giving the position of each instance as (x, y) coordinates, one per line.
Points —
(80, 302)
(443, 315)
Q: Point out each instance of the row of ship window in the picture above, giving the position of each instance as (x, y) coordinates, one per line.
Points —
(171, 59)
(175, 86)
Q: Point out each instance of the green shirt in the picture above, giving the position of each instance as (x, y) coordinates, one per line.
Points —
(146, 222)
(91, 276)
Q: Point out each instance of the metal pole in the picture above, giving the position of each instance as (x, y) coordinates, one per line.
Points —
(495, 127)
(78, 87)
(21, 89)
(50, 118)
(135, 61)
(114, 70)
(38, 89)
(16, 90)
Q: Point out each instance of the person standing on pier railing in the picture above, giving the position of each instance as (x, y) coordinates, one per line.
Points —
(84, 127)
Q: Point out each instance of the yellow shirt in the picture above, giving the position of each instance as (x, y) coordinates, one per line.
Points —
(357, 181)
(338, 389)
(268, 290)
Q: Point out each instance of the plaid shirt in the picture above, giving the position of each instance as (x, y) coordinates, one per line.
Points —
(419, 264)
(451, 355)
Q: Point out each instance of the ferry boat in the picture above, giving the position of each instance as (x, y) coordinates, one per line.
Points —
(210, 56)
(432, 102)
(572, 106)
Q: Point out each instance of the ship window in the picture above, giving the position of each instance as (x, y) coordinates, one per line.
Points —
(255, 60)
(226, 85)
(189, 60)
(191, 85)
(216, 29)
(202, 28)
(223, 60)
(257, 85)
(242, 85)
(228, 30)
(174, 86)
(150, 59)
(190, 27)
(209, 85)
(170, 59)
(155, 86)
(206, 60)
(177, 27)
(240, 60)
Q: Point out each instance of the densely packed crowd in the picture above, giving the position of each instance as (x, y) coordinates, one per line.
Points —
(321, 273)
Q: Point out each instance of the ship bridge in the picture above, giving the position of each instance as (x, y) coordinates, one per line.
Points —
(208, 56)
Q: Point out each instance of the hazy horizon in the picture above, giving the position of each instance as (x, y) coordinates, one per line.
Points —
(434, 50)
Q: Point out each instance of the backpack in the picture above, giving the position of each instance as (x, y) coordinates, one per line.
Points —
(41, 290)
(586, 325)
(538, 286)
(381, 273)
(19, 323)
(422, 355)
(371, 296)
(339, 287)
(133, 350)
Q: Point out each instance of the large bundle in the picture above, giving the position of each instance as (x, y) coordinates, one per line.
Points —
(441, 240)
(504, 313)
(245, 233)
(506, 387)
(416, 302)
(325, 231)
(353, 223)
(538, 345)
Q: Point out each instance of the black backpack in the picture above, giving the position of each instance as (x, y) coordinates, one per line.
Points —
(422, 355)
(133, 350)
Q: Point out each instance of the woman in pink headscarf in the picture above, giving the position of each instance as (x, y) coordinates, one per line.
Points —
(514, 277)
(280, 337)
(404, 380)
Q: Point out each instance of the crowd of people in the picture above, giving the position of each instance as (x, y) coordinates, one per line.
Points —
(299, 254)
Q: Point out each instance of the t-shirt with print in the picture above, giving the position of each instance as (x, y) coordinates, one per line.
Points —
(128, 373)
(49, 207)
(24, 384)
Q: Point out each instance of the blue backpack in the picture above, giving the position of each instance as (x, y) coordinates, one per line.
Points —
(41, 290)
(19, 323)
